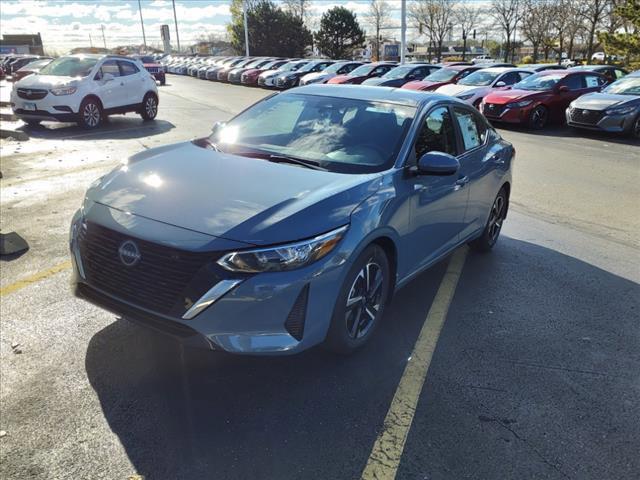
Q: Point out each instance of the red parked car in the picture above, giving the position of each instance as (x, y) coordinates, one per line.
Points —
(360, 74)
(444, 76)
(156, 69)
(250, 77)
(541, 97)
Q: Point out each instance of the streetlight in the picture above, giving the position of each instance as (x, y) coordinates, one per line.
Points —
(403, 29)
(144, 37)
(246, 29)
(175, 21)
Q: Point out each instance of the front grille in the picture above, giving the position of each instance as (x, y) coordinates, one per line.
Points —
(160, 281)
(32, 93)
(153, 69)
(588, 117)
(261, 81)
(493, 110)
(295, 321)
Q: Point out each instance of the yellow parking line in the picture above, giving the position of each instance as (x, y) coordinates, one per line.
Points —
(36, 277)
(387, 450)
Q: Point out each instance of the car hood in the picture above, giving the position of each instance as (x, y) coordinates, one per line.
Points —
(602, 101)
(232, 197)
(46, 81)
(423, 85)
(501, 97)
(457, 89)
(380, 81)
(313, 76)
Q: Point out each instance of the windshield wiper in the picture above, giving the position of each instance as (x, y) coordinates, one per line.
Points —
(271, 157)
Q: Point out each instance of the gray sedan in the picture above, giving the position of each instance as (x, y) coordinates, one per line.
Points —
(615, 109)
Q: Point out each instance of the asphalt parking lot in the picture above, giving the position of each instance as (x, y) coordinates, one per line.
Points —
(535, 374)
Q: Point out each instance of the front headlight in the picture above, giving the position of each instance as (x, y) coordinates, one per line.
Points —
(621, 110)
(465, 97)
(521, 104)
(284, 257)
(63, 91)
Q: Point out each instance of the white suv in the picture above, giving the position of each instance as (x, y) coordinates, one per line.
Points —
(85, 89)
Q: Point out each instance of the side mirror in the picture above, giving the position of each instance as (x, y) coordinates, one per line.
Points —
(437, 163)
(563, 89)
(217, 127)
(501, 84)
(107, 77)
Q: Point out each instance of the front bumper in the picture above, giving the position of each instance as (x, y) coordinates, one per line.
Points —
(261, 315)
(598, 120)
(62, 108)
(500, 113)
(283, 83)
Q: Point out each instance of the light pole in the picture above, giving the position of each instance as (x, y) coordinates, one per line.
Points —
(403, 29)
(246, 29)
(104, 40)
(144, 37)
(175, 21)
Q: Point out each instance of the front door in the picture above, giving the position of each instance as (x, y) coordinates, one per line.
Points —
(112, 93)
(438, 203)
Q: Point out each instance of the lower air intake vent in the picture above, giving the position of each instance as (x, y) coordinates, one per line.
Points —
(296, 318)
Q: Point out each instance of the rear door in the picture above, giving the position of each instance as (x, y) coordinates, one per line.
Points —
(132, 82)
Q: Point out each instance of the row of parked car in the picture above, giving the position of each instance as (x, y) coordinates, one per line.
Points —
(19, 66)
(598, 97)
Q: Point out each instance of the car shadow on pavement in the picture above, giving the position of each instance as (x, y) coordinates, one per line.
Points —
(563, 131)
(193, 414)
(187, 413)
(117, 127)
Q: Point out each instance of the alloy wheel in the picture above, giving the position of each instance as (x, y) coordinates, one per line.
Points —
(91, 114)
(151, 106)
(539, 117)
(636, 128)
(364, 300)
(496, 218)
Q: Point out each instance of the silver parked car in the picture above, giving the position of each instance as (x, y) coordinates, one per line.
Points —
(614, 109)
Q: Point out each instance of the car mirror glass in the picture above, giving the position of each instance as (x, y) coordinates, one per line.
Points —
(563, 89)
(501, 84)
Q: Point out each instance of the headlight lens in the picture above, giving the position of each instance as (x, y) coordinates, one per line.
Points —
(465, 97)
(621, 110)
(63, 91)
(521, 104)
(284, 257)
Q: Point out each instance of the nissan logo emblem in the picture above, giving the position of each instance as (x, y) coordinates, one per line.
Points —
(129, 253)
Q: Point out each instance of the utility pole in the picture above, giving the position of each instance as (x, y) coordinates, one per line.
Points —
(104, 41)
(90, 41)
(246, 28)
(175, 21)
(144, 37)
(403, 29)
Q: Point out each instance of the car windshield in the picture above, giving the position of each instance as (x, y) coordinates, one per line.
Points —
(291, 66)
(308, 67)
(480, 78)
(70, 67)
(442, 75)
(399, 72)
(36, 64)
(338, 134)
(624, 86)
(362, 70)
(334, 68)
(541, 82)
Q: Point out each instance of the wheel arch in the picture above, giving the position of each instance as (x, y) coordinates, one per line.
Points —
(391, 251)
(95, 97)
(506, 186)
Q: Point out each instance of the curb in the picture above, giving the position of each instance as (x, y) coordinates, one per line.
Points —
(18, 135)
(8, 117)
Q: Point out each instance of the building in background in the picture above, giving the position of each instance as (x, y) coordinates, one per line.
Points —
(23, 44)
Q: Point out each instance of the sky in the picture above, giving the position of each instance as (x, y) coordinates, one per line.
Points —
(65, 24)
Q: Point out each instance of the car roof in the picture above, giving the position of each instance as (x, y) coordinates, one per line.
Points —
(504, 69)
(401, 96)
(590, 67)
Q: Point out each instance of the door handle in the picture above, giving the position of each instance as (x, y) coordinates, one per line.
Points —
(496, 159)
(122, 84)
(462, 181)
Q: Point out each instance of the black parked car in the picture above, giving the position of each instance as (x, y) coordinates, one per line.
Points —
(402, 74)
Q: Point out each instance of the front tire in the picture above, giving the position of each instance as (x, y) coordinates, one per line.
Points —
(32, 123)
(90, 114)
(491, 232)
(361, 302)
(539, 117)
(634, 131)
(149, 108)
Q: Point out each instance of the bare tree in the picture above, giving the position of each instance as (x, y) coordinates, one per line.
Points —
(594, 14)
(435, 17)
(378, 17)
(536, 24)
(506, 13)
(300, 8)
(466, 17)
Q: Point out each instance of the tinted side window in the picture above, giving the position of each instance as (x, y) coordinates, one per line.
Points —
(110, 66)
(381, 70)
(437, 134)
(574, 82)
(419, 73)
(464, 74)
(128, 68)
(619, 73)
(594, 81)
(510, 78)
(347, 68)
(523, 75)
(473, 130)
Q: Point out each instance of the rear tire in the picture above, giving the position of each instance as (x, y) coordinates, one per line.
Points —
(149, 108)
(90, 114)
(491, 232)
(361, 302)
